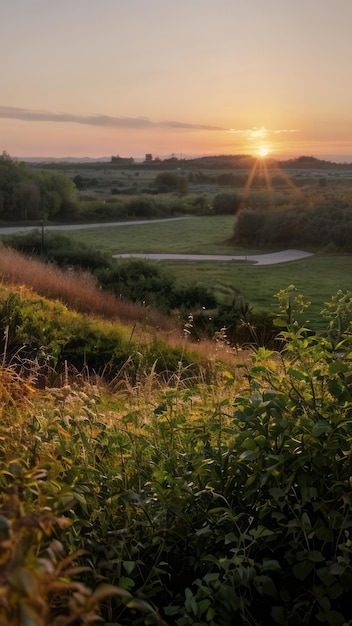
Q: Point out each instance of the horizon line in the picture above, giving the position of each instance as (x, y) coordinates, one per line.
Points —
(332, 158)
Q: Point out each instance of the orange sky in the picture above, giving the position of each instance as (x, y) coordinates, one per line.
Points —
(84, 78)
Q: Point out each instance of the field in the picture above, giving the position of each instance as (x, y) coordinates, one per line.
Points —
(317, 277)
(106, 191)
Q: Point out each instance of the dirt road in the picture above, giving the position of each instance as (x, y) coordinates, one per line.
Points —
(258, 259)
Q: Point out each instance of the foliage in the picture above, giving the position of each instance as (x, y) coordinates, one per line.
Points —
(56, 248)
(147, 284)
(144, 207)
(318, 220)
(76, 290)
(206, 502)
(169, 181)
(29, 194)
(50, 337)
(226, 203)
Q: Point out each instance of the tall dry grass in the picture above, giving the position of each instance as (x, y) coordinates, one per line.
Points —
(75, 291)
(79, 293)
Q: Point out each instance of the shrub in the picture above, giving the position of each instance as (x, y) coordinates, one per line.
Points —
(225, 203)
(214, 502)
(140, 206)
(59, 249)
(166, 182)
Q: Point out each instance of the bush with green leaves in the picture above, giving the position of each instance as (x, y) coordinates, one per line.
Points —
(314, 220)
(245, 515)
(58, 248)
(211, 503)
(27, 193)
(148, 284)
(166, 182)
(225, 203)
(47, 336)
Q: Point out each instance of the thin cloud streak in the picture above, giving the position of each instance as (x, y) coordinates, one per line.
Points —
(260, 133)
(28, 115)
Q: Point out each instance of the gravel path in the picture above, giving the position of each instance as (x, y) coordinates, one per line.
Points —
(257, 259)
(10, 230)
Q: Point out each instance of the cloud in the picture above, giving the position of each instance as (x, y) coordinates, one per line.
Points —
(260, 133)
(29, 115)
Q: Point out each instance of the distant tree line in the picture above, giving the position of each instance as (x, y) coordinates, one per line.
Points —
(31, 194)
(324, 222)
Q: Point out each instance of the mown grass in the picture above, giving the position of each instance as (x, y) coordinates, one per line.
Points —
(200, 235)
(318, 277)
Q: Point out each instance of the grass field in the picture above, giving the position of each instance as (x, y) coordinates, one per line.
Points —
(317, 277)
(193, 235)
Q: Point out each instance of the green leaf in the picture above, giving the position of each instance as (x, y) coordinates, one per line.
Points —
(129, 566)
(303, 569)
(298, 374)
(271, 565)
(310, 555)
(126, 583)
(321, 427)
(337, 367)
(276, 493)
(308, 494)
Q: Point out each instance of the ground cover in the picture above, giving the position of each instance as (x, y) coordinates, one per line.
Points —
(199, 501)
(201, 235)
(318, 277)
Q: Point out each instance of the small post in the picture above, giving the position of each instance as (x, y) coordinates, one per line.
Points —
(42, 239)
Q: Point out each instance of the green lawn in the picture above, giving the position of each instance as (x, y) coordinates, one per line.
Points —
(317, 277)
(193, 235)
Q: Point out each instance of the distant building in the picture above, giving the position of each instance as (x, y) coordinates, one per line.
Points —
(148, 157)
(117, 160)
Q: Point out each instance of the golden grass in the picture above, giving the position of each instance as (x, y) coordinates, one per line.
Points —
(79, 293)
(75, 291)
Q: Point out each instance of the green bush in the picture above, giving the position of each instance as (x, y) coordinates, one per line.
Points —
(147, 284)
(166, 182)
(144, 207)
(225, 203)
(210, 503)
(59, 249)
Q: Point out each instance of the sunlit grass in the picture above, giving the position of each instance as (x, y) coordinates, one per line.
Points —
(78, 292)
(192, 235)
(317, 277)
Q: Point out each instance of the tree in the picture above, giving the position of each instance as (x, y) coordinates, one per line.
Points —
(28, 198)
(169, 181)
(58, 194)
(226, 203)
(248, 226)
(27, 193)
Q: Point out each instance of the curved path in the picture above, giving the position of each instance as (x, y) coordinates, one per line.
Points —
(258, 259)
(10, 230)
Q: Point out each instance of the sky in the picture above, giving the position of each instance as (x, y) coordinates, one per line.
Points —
(89, 78)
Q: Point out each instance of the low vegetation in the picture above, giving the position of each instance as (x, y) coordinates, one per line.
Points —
(322, 221)
(147, 477)
(192, 501)
(133, 290)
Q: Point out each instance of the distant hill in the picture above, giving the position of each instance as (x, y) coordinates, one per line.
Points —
(63, 159)
(225, 161)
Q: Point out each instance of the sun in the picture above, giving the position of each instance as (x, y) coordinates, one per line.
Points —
(263, 151)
